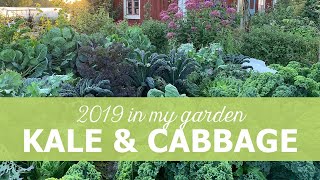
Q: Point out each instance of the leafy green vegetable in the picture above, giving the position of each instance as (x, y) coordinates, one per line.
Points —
(170, 91)
(44, 87)
(87, 88)
(81, 171)
(10, 84)
(62, 46)
(25, 56)
(10, 170)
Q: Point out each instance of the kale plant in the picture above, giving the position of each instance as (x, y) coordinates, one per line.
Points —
(10, 170)
(87, 88)
(144, 63)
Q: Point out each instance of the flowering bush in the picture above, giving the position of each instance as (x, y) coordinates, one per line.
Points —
(201, 24)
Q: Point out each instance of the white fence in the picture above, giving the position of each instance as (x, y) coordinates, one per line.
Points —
(30, 12)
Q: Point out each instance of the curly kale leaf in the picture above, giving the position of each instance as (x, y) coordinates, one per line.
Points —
(224, 87)
(10, 170)
(236, 59)
(91, 61)
(87, 88)
(293, 170)
(82, 170)
(307, 87)
(285, 91)
(315, 72)
(108, 64)
(265, 83)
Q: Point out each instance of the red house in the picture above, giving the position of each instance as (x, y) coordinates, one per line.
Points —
(134, 11)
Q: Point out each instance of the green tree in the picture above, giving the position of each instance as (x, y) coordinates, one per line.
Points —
(17, 3)
(312, 10)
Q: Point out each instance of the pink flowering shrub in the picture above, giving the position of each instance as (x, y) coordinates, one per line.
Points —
(201, 25)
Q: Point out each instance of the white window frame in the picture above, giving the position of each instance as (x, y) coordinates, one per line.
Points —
(126, 16)
(182, 6)
(261, 5)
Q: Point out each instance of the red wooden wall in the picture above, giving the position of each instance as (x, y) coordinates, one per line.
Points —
(156, 7)
(160, 5)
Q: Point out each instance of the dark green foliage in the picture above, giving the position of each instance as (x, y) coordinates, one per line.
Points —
(285, 91)
(82, 170)
(293, 170)
(48, 169)
(155, 30)
(175, 68)
(108, 169)
(125, 170)
(235, 59)
(312, 11)
(274, 45)
(175, 170)
(87, 88)
(144, 63)
(264, 83)
(224, 87)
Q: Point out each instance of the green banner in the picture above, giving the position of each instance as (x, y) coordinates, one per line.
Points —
(166, 129)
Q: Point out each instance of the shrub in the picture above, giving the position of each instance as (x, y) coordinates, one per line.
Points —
(155, 30)
(90, 23)
(274, 45)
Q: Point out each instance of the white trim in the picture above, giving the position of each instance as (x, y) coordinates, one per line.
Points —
(125, 16)
(274, 2)
(182, 6)
(262, 5)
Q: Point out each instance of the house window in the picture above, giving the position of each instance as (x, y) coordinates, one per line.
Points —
(131, 9)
